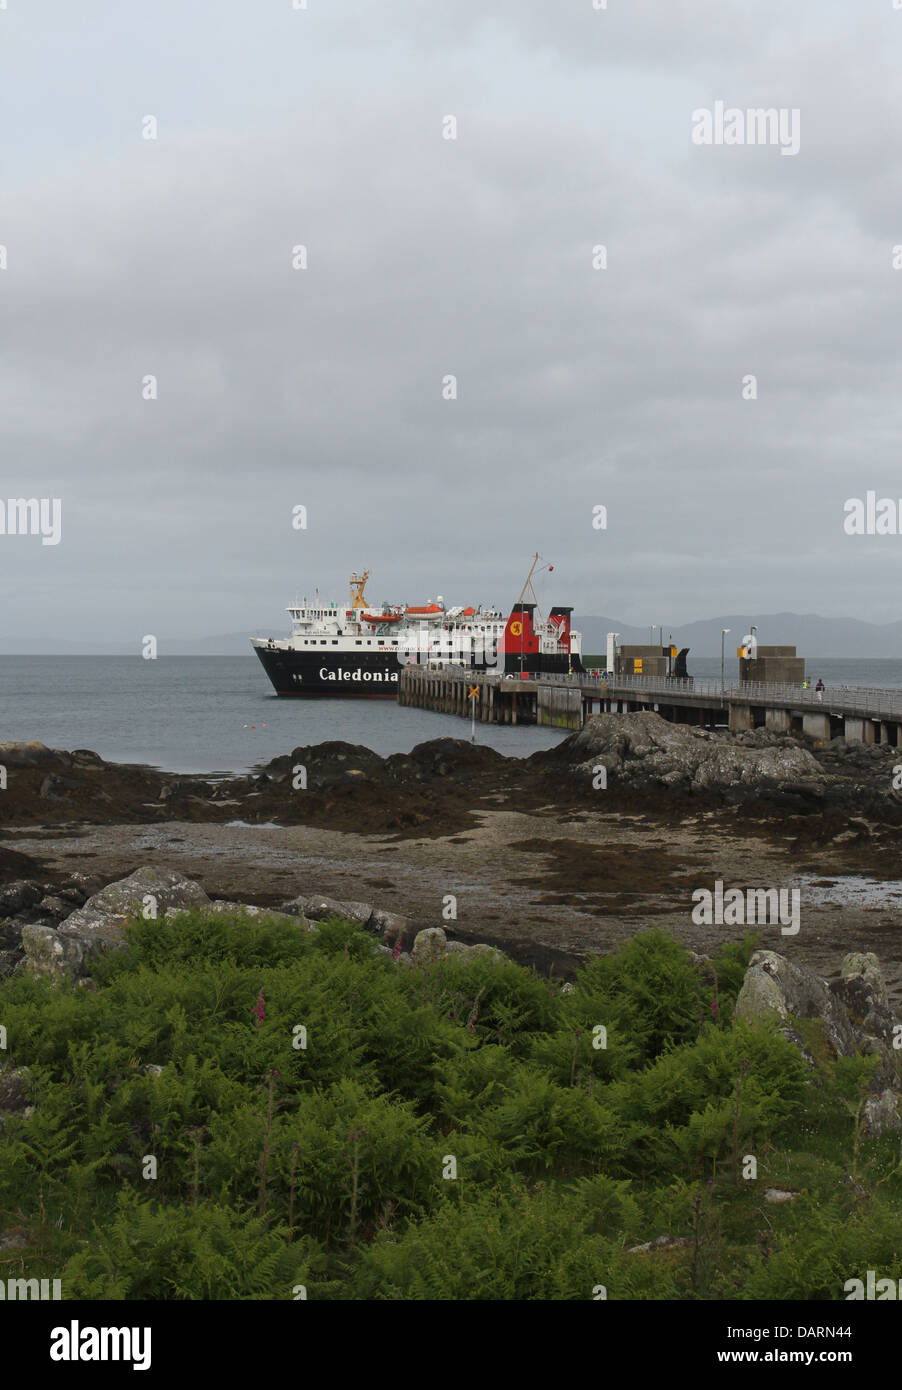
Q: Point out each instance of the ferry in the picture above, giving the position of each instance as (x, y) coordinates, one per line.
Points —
(355, 649)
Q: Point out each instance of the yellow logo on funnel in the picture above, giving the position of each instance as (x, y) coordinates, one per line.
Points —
(516, 629)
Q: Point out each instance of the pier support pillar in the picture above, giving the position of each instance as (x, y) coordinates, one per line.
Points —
(779, 720)
(859, 730)
(816, 725)
(741, 718)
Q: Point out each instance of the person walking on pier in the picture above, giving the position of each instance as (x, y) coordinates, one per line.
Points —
(820, 689)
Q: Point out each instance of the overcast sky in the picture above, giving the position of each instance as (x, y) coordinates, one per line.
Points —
(322, 387)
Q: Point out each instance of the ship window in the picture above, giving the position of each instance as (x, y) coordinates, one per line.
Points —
(394, 644)
(334, 641)
(322, 641)
(358, 643)
(381, 643)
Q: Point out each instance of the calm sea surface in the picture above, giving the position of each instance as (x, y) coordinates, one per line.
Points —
(217, 714)
(210, 714)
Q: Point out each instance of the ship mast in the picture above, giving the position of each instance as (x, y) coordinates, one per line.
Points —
(529, 587)
(528, 584)
(358, 583)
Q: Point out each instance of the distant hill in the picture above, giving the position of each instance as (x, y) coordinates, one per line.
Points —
(812, 635)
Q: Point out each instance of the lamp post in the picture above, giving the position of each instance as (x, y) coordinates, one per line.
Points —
(723, 633)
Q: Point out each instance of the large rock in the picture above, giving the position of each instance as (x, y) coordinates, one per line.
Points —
(862, 993)
(644, 748)
(318, 908)
(17, 896)
(864, 968)
(220, 907)
(475, 948)
(112, 907)
(31, 754)
(880, 1115)
(326, 765)
(778, 987)
(14, 1083)
(389, 925)
(61, 955)
(854, 1010)
(429, 945)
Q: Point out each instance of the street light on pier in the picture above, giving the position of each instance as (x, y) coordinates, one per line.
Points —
(723, 633)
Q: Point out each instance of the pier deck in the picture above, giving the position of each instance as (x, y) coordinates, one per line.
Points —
(857, 713)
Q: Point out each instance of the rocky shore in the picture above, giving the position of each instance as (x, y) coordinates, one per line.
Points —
(547, 859)
(759, 774)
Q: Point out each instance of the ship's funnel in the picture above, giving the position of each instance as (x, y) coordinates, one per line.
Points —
(520, 642)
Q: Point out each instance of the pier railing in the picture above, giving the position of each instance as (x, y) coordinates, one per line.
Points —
(866, 701)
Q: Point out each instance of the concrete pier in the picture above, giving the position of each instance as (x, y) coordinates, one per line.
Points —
(565, 702)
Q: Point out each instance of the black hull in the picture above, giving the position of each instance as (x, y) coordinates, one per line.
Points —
(332, 675)
(373, 675)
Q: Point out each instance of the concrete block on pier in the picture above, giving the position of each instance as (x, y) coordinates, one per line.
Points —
(859, 730)
(778, 720)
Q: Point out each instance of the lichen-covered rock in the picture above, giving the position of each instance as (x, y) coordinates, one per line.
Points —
(49, 954)
(794, 1037)
(862, 991)
(317, 907)
(864, 966)
(110, 908)
(62, 955)
(475, 948)
(53, 907)
(221, 907)
(429, 945)
(776, 986)
(880, 1115)
(761, 994)
(14, 1083)
(659, 1245)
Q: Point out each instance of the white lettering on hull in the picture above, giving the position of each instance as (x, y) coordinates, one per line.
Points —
(358, 675)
